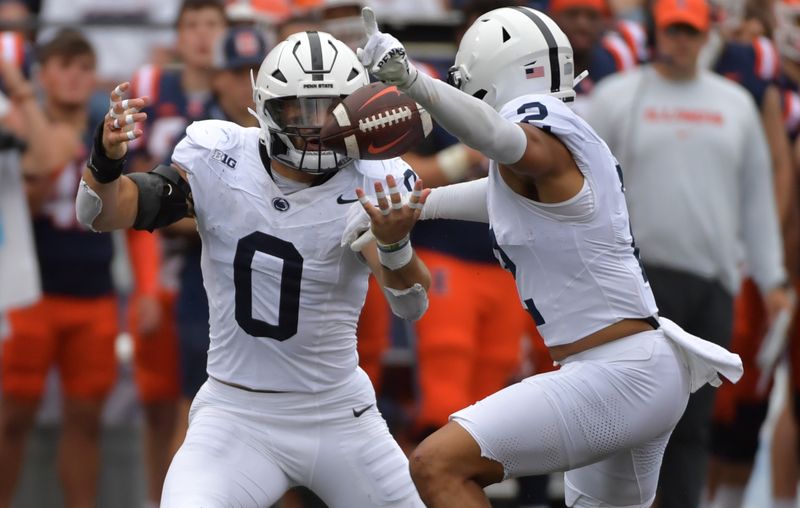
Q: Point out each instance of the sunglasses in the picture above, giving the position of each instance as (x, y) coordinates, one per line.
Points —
(682, 29)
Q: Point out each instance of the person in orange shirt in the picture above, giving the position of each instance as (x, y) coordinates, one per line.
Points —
(75, 324)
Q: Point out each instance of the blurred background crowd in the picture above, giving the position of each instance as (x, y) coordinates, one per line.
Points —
(103, 337)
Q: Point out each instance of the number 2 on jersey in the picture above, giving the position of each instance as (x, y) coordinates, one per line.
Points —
(289, 305)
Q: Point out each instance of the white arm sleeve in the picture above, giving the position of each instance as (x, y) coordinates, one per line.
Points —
(472, 121)
(460, 201)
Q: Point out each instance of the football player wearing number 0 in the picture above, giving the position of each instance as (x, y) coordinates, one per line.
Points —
(285, 403)
(555, 205)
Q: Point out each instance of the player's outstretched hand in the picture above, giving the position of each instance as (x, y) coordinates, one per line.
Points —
(392, 220)
(120, 122)
(384, 56)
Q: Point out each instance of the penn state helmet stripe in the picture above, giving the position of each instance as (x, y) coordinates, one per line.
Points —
(555, 75)
(316, 56)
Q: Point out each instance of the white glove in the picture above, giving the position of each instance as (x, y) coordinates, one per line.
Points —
(384, 56)
(358, 223)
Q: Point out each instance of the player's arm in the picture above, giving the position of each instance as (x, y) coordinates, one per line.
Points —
(106, 199)
(472, 121)
(772, 119)
(404, 277)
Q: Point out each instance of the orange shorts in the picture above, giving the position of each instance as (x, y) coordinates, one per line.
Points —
(468, 342)
(373, 332)
(75, 334)
(749, 328)
(156, 357)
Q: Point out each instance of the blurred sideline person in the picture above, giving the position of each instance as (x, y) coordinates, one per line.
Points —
(784, 450)
(75, 324)
(178, 95)
(743, 53)
(140, 30)
(678, 131)
(19, 269)
(285, 403)
(555, 204)
(596, 47)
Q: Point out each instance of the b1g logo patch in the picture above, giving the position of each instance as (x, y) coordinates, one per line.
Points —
(224, 158)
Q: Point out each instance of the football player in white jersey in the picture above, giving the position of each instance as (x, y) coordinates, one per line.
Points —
(286, 403)
(555, 205)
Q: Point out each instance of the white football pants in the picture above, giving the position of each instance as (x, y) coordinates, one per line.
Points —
(604, 418)
(245, 449)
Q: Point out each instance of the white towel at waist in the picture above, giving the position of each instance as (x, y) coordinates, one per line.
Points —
(704, 359)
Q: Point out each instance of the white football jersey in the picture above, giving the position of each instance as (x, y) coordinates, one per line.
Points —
(284, 296)
(575, 275)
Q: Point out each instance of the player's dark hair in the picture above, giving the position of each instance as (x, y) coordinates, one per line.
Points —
(195, 5)
(67, 44)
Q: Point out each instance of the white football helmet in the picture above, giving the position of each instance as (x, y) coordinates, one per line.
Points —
(514, 51)
(787, 28)
(298, 84)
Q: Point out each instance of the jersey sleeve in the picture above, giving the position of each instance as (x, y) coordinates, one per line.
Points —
(203, 138)
(545, 112)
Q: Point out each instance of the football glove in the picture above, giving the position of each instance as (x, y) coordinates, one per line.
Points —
(384, 56)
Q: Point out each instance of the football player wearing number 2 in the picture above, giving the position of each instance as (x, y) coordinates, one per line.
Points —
(285, 403)
(555, 205)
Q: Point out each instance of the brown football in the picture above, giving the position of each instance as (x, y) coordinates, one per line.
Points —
(376, 122)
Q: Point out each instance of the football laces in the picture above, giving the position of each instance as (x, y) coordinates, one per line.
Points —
(392, 117)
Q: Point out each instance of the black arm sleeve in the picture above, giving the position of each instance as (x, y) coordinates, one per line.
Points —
(163, 197)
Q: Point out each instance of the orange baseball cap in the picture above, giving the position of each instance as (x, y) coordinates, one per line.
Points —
(557, 6)
(695, 13)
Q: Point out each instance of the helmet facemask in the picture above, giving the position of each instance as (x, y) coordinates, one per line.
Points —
(299, 83)
(294, 126)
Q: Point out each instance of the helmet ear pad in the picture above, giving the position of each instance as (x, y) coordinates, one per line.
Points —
(514, 51)
(306, 65)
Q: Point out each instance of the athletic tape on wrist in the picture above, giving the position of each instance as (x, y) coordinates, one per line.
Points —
(396, 259)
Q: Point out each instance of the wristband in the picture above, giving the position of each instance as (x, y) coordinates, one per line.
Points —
(395, 255)
(104, 170)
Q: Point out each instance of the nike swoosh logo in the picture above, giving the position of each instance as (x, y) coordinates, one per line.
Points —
(380, 149)
(391, 89)
(359, 413)
(343, 201)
